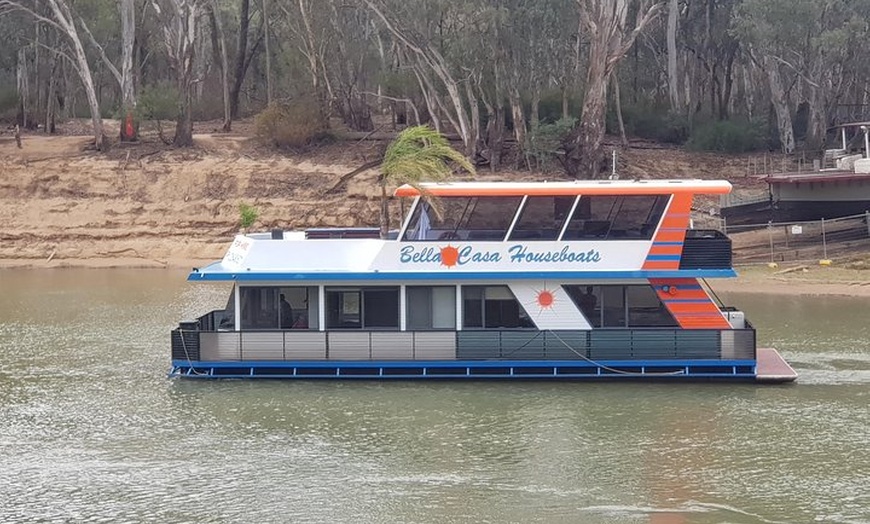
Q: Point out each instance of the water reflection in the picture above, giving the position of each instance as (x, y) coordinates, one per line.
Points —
(90, 428)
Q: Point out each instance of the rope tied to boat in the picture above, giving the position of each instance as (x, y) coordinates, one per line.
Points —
(615, 371)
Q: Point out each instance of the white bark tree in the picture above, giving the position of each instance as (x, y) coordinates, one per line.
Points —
(610, 39)
(179, 21)
(124, 77)
(63, 19)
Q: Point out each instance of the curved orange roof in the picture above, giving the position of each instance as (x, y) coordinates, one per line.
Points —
(577, 187)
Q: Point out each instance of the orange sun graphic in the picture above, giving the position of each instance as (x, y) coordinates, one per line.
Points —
(449, 256)
(545, 299)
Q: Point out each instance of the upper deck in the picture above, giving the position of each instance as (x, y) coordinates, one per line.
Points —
(497, 230)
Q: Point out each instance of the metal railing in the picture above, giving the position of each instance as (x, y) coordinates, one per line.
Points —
(499, 345)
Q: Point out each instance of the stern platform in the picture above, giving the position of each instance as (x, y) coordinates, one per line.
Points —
(772, 368)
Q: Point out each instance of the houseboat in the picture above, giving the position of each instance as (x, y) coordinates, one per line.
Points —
(550, 280)
(838, 187)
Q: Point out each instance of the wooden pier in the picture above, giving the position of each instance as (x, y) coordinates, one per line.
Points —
(771, 368)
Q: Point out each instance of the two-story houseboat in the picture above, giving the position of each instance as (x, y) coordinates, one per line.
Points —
(584, 279)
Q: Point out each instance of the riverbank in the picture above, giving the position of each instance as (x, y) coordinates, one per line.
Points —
(852, 278)
(152, 206)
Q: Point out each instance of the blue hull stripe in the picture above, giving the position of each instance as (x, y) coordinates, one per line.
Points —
(470, 370)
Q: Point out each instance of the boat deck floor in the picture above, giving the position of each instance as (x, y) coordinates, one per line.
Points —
(772, 368)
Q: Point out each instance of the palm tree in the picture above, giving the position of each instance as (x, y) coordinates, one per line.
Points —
(419, 154)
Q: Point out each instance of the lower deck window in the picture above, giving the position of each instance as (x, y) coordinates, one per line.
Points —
(274, 307)
(621, 306)
(492, 307)
(362, 308)
(430, 307)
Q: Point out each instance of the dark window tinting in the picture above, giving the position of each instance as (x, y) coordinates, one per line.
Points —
(621, 306)
(612, 217)
(542, 218)
(492, 307)
(362, 308)
(465, 218)
(259, 307)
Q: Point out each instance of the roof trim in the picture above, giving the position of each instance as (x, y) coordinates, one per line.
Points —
(213, 273)
(577, 187)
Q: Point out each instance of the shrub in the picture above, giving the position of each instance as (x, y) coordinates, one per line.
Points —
(295, 124)
(247, 215)
(726, 136)
(650, 122)
(158, 102)
(544, 144)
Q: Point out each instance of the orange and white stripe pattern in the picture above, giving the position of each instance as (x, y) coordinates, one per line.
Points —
(689, 303)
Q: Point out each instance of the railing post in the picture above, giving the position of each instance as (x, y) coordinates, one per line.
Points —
(867, 221)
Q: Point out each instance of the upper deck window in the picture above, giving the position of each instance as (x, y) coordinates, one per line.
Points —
(616, 217)
(462, 218)
(542, 218)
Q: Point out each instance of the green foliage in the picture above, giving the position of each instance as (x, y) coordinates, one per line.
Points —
(550, 108)
(420, 154)
(543, 145)
(8, 105)
(727, 136)
(158, 102)
(295, 124)
(248, 214)
(650, 122)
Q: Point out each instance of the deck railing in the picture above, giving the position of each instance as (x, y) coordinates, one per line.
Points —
(189, 343)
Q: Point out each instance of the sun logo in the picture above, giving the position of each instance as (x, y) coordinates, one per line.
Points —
(449, 256)
(545, 299)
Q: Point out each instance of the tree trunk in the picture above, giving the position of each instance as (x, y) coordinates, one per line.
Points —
(64, 18)
(673, 73)
(241, 53)
(219, 45)
(609, 40)
(780, 105)
(23, 89)
(618, 103)
(130, 125)
(584, 157)
(268, 53)
(518, 115)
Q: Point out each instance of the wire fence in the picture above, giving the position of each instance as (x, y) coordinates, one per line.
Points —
(798, 241)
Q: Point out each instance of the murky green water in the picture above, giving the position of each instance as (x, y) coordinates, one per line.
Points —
(91, 430)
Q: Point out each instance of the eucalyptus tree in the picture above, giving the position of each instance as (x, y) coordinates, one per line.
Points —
(61, 16)
(179, 21)
(816, 44)
(433, 71)
(610, 37)
(124, 74)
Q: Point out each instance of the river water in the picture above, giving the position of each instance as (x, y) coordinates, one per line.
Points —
(92, 430)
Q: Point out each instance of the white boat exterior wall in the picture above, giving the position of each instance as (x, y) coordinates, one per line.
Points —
(561, 314)
(373, 255)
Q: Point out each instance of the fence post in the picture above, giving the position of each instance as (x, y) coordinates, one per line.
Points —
(867, 221)
(824, 241)
(770, 236)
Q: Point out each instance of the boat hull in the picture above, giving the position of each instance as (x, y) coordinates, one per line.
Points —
(470, 369)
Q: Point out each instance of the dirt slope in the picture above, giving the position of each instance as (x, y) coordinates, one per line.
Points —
(152, 206)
